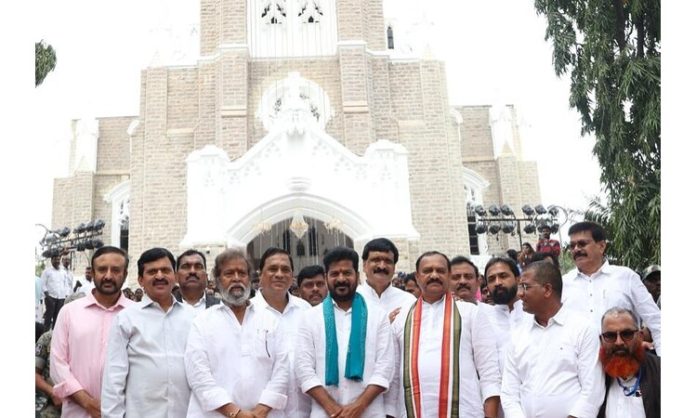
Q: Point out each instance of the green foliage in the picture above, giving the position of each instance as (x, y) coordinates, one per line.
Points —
(44, 61)
(611, 49)
(39, 267)
(565, 261)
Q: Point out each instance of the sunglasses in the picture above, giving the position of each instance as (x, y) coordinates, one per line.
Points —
(626, 335)
(579, 244)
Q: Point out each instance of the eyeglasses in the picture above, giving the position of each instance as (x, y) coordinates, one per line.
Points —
(626, 335)
(579, 244)
(526, 286)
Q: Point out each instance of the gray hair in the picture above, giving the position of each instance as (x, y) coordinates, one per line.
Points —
(619, 311)
(227, 255)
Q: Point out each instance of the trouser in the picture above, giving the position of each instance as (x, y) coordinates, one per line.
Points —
(53, 306)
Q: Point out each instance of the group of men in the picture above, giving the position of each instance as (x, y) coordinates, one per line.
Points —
(54, 286)
(344, 349)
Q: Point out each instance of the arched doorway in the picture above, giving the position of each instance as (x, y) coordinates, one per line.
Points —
(306, 239)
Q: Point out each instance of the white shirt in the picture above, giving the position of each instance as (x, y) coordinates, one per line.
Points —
(299, 404)
(622, 406)
(310, 357)
(199, 306)
(69, 281)
(503, 320)
(477, 357)
(86, 287)
(144, 372)
(391, 298)
(245, 364)
(553, 371)
(609, 287)
(55, 282)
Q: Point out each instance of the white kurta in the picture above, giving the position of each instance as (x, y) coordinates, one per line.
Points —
(144, 372)
(477, 357)
(622, 406)
(391, 298)
(553, 371)
(609, 287)
(310, 357)
(503, 321)
(299, 404)
(243, 363)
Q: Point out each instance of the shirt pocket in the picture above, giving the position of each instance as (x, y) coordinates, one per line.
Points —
(264, 345)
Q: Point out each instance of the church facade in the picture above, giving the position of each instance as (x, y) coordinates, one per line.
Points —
(299, 126)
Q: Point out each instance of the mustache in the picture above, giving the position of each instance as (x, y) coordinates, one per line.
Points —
(433, 280)
(579, 254)
(160, 281)
(236, 286)
(462, 286)
(380, 270)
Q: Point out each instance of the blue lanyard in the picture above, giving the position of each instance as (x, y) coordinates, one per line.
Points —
(630, 391)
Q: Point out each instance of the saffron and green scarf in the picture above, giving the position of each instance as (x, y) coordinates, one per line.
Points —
(355, 359)
(449, 363)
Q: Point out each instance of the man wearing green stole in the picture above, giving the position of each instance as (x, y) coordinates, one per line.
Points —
(447, 364)
(344, 358)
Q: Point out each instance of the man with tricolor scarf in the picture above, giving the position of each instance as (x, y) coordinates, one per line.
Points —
(344, 359)
(447, 363)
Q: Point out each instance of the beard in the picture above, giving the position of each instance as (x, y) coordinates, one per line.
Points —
(102, 287)
(343, 297)
(235, 297)
(622, 362)
(503, 296)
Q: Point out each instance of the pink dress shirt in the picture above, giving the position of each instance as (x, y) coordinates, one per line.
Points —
(78, 349)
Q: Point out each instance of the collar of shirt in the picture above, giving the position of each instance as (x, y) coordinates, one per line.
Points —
(339, 309)
(90, 300)
(606, 268)
(435, 304)
(560, 318)
(373, 292)
(146, 302)
(200, 302)
(293, 303)
(503, 307)
(222, 306)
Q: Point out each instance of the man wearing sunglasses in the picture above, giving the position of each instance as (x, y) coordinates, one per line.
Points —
(595, 285)
(632, 373)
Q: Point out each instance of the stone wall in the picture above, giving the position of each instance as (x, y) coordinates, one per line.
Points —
(373, 97)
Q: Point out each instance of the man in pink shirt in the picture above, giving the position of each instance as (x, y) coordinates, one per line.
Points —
(78, 346)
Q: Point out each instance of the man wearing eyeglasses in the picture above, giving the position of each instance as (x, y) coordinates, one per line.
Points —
(551, 369)
(193, 279)
(632, 373)
(595, 286)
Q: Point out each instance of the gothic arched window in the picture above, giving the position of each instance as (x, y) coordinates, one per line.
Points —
(310, 11)
(274, 12)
